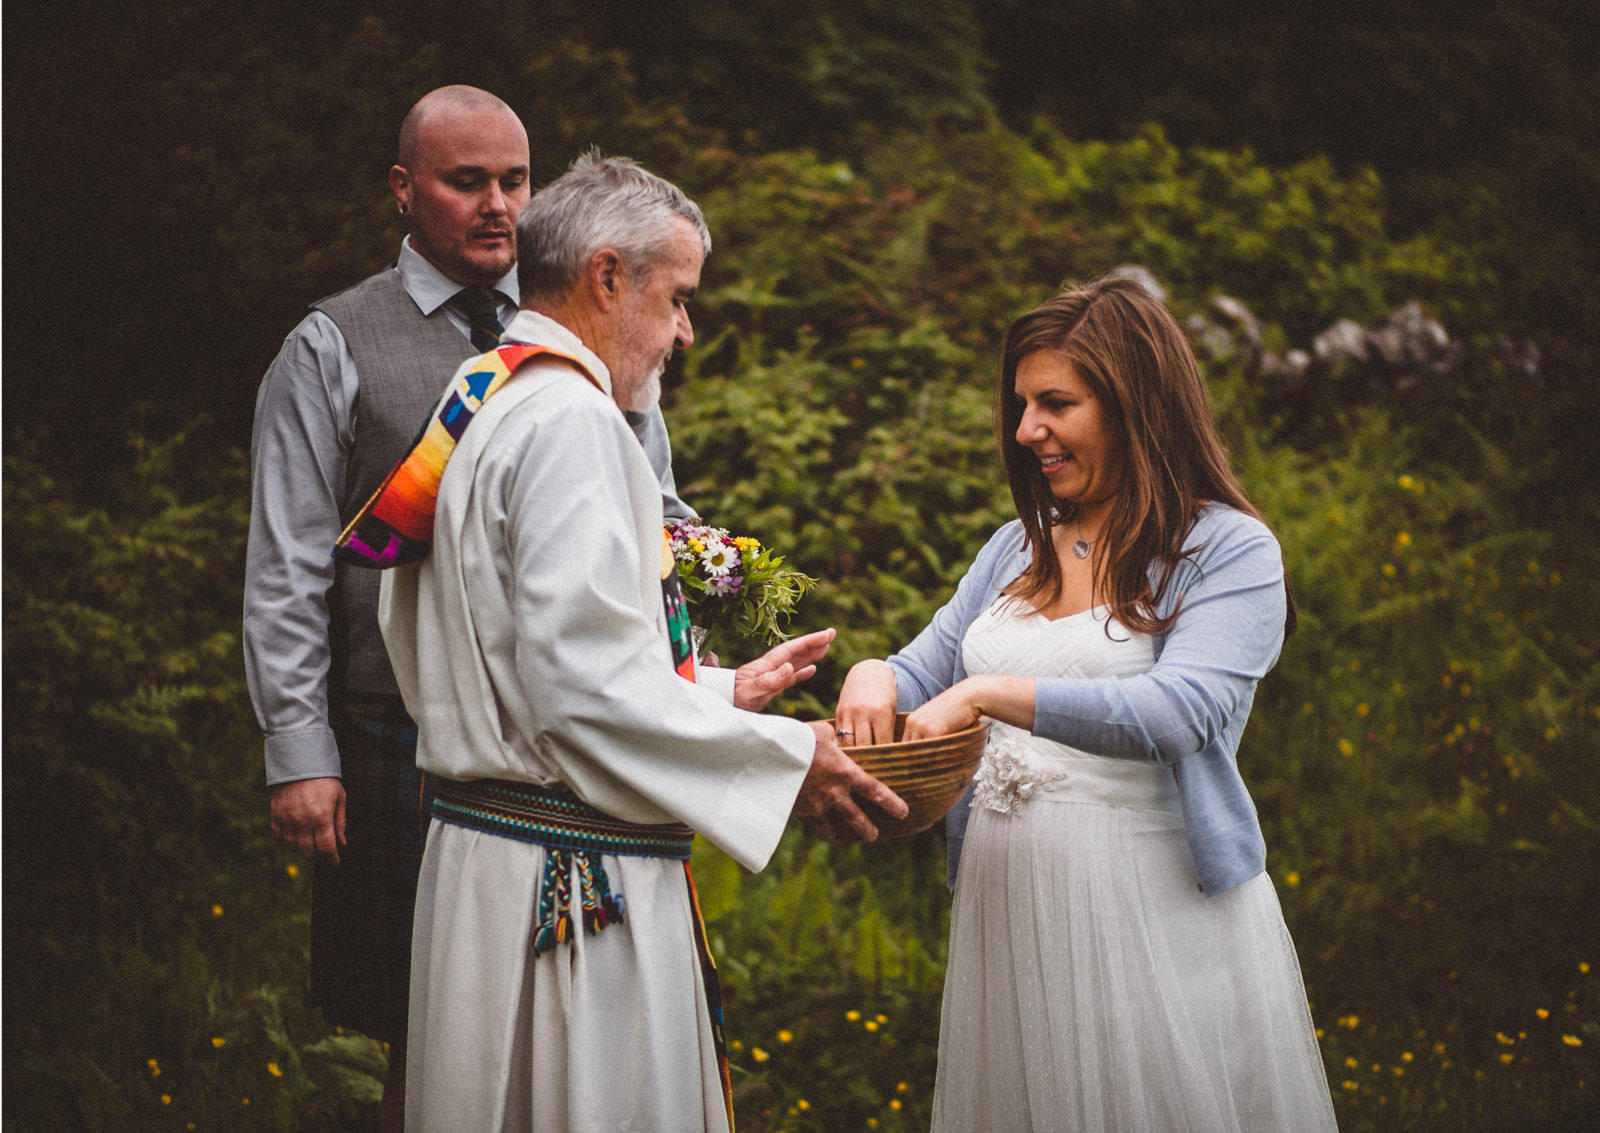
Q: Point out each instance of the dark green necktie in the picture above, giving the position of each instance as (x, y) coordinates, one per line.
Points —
(479, 307)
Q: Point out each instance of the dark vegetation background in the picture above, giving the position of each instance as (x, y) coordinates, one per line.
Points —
(888, 182)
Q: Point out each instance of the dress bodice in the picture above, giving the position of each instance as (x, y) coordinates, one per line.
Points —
(1013, 639)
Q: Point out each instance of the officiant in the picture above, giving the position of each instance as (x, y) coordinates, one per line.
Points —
(540, 642)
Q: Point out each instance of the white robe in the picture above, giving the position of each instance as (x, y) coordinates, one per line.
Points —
(531, 644)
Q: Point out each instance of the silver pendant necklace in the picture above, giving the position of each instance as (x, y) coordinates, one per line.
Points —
(1082, 546)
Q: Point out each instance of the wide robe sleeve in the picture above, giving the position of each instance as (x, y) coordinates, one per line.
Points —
(547, 559)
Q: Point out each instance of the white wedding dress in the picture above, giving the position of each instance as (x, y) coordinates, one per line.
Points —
(1091, 987)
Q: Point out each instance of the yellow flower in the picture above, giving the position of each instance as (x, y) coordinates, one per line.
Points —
(244, 1101)
(292, 870)
(1572, 1040)
(871, 1024)
(785, 1036)
(1583, 966)
(758, 1054)
(852, 1015)
(1346, 747)
(1292, 878)
(1507, 1057)
(901, 1087)
(218, 1041)
(1351, 1063)
(1503, 1040)
(155, 1067)
(883, 1018)
(216, 910)
(1349, 1085)
(802, 1105)
(166, 1099)
(894, 1103)
(1403, 539)
(1405, 1056)
(275, 1070)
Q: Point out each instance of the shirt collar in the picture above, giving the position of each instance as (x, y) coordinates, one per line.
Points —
(431, 289)
(534, 328)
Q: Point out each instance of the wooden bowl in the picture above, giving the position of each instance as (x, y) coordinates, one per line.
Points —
(928, 774)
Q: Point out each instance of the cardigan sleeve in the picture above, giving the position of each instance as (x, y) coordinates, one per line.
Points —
(932, 662)
(1231, 601)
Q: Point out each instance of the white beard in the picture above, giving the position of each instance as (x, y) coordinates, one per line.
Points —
(640, 396)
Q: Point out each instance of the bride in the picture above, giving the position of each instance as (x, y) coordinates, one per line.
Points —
(1118, 957)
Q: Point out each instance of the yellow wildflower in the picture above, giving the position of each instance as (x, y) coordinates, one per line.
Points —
(1572, 1040)
(216, 910)
(802, 1105)
(758, 1054)
(292, 870)
(785, 1036)
(218, 1041)
(852, 1015)
(155, 1067)
(894, 1103)
(166, 1099)
(275, 1070)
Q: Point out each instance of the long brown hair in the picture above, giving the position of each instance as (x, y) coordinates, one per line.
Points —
(1128, 348)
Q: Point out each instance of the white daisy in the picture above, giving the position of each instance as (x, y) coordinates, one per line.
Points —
(719, 558)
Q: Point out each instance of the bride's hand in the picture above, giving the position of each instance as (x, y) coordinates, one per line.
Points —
(865, 714)
(962, 705)
(951, 711)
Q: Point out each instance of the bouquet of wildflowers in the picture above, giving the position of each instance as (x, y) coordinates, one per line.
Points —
(733, 583)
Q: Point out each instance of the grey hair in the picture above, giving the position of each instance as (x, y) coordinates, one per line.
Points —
(600, 202)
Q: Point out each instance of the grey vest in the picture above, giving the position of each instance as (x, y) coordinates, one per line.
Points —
(404, 359)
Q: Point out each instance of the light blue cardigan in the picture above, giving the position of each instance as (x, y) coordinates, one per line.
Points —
(1187, 712)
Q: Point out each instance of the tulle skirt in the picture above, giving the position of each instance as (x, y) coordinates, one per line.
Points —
(1093, 988)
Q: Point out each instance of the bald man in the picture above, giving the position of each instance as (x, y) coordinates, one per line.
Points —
(336, 409)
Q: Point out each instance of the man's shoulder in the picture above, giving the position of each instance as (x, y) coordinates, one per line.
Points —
(357, 295)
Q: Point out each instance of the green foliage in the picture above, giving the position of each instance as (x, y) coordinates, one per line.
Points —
(1419, 756)
(163, 936)
(832, 961)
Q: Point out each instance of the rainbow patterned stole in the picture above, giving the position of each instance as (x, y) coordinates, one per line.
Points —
(395, 525)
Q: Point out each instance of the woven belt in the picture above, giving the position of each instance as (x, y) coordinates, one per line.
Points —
(573, 833)
(555, 818)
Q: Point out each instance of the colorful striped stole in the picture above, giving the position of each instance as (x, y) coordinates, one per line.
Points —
(395, 525)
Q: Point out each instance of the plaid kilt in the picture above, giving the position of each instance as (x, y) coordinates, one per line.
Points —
(361, 909)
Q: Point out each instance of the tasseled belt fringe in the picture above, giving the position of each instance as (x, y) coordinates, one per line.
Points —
(574, 835)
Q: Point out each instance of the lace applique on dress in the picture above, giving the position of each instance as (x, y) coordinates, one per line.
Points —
(1005, 779)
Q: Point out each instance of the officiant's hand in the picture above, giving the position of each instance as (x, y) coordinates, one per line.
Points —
(865, 714)
(781, 667)
(830, 799)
